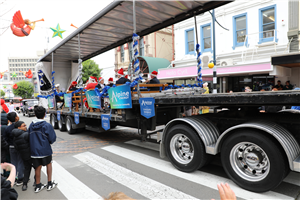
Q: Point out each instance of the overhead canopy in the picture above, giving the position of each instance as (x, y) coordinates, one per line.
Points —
(150, 64)
(287, 60)
(113, 26)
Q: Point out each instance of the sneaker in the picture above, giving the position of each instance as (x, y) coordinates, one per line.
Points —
(24, 187)
(19, 182)
(51, 185)
(39, 187)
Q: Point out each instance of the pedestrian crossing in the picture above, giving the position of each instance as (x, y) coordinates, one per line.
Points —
(136, 169)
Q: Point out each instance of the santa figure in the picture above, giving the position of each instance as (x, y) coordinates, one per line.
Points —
(122, 79)
(91, 83)
(101, 84)
(153, 80)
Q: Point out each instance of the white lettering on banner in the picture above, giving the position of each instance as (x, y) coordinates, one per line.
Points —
(148, 103)
(93, 98)
(119, 95)
(105, 118)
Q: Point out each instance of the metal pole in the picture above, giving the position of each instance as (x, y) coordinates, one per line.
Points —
(134, 31)
(80, 76)
(52, 63)
(214, 53)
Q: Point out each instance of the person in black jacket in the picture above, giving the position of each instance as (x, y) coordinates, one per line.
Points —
(4, 144)
(110, 82)
(7, 190)
(121, 79)
(21, 141)
(153, 80)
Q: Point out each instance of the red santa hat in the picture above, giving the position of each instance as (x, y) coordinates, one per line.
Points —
(154, 73)
(110, 80)
(126, 76)
(100, 78)
(74, 83)
(121, 72)
(4, 107)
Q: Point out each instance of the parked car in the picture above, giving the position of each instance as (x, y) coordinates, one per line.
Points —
(28, 106)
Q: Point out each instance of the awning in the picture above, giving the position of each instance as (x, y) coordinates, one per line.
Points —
(287, 60)
(113, 26)
(150, 64)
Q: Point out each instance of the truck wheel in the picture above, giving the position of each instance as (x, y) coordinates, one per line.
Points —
(185, 149)
(254, 161)
(61, 124)
(69, 122)
(53, 121)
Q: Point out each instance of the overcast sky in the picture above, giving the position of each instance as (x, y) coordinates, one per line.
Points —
(63, 12)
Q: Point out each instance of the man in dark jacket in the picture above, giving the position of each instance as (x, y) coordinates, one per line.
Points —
(21, 141)
(4, 144)
(15, 156)
(7, 190)
(41, 136)
(121, 79)
(153, 80)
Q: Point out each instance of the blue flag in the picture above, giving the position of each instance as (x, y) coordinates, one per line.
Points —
(76, 117)
(147, 107)
(105, 121)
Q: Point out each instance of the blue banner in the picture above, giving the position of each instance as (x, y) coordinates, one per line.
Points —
(93, 99)
(51, 102)
(76, 117)
(105, 121)
(58, 115)
(147, 107)
(120, 97)
(68, 100)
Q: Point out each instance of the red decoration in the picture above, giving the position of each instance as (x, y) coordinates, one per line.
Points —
(15, 86)
(28, 74)
(4, 107)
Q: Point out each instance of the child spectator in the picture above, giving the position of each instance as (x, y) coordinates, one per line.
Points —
(42, 135)
(15, 156)
(7, 190)
(21, 141)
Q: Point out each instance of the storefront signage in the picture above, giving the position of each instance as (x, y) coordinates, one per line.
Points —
(177, 72)
(120, 97)
(76, 117)
(93, 99)
(68, 100)
(147, 107)
(105, 121)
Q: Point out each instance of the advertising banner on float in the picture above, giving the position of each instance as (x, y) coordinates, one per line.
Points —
(76, 117)
(93, 99)
(147, 107)
(105, 121)
(68, 100)
(51, 102)
(58, 115)
(120, 97)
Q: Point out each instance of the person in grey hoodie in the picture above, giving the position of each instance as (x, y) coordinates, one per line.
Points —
(41, 136)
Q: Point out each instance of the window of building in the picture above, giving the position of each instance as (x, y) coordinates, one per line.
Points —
(130, 50)
(5, 77)
(18, 60)
(267, 24)
(189, 41)
(239, 30)
(141, 47)
(122, 53)
(206, 42)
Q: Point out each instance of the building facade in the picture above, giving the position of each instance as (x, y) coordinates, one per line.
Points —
(159, 44)
(256, 30)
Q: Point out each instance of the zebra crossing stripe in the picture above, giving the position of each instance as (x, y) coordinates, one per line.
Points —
(145, 186)
(201, 178)
(69, 185)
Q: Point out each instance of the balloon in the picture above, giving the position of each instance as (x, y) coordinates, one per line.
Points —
(57, 32)
(28, 74)
(14, 75)
(211, 65)
(22, 27)
(15, 86)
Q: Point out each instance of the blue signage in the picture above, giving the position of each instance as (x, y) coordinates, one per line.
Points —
(93, 99)
(76, 117)
(105, 121)
(147, 107)
(120, 97)
(58, 115)
(68, 100)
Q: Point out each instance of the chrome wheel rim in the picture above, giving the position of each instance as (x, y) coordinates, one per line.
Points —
(52, 121)
(249, 161)
(60, 123)
(182, 149)
(68, 125)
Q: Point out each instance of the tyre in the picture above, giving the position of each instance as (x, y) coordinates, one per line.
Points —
(254, 161)
(185, 149)
(53, 121)
(61, 123)
(23, 114)
(69, 122)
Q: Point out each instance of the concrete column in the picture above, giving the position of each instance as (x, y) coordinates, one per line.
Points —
(293, 23)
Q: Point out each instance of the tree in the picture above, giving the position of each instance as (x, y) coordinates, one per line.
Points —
(90, 68)
(2, 93)
(25, 89)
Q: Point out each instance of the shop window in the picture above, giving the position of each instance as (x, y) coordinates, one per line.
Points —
(206, 40)
(239, 30)
(179, 82)
(189, 41)
(130, 50)
(267, 24)
(141, 45)
(122, 53)
(5, 77)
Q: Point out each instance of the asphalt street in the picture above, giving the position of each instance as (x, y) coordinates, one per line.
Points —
(91, 165)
